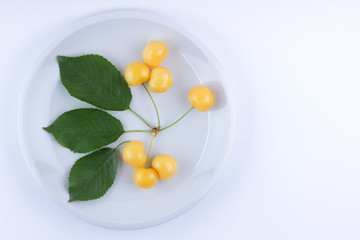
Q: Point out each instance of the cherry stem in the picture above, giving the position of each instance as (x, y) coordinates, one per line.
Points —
(140, 117)
(149, 131)
(157, 113)
(148, 155)
(178, 119)
(121, 144)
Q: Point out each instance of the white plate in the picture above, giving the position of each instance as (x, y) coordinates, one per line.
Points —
(200, 143)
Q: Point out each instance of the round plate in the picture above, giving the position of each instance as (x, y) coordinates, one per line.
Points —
(200, 142)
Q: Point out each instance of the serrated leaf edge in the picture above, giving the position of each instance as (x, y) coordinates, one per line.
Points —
(59, 57)
(47, 129)
(72, 200)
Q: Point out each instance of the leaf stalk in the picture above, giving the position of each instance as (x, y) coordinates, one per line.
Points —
(142, 119)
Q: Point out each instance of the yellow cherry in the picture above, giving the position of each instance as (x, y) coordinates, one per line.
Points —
(201, 98)
(160, 80)
(137, 73)
(165, 165)
(134, 154)
(145, 177)
(154, 53)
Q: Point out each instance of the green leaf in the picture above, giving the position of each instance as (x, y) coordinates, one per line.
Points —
(93, 79)
(91, 176)
(84, 130)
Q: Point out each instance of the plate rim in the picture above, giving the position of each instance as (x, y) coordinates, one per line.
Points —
(118, 14)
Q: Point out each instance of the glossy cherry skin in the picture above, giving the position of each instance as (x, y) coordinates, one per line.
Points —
(154, 53)
(134, 154)
(145, 177)
(201, 98)
(165, 165)
(160, 80)
(137, 73)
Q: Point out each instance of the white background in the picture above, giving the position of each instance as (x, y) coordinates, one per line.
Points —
(295, 167)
